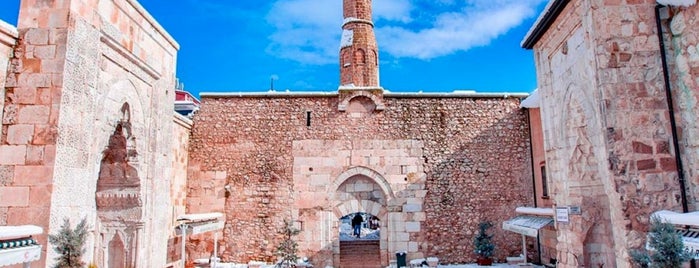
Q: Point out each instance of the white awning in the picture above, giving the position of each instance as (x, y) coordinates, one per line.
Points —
(535, 211)
(193, 229)
(690, 237)
(19, 255)
(526, 224)
(12, 232)
(200, 217)
(677, 218)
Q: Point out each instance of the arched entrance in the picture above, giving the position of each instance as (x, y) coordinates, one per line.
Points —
(360, 238)
(362, 191)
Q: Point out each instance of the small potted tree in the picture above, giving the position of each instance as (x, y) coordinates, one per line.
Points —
(483, 246)
(667, 247)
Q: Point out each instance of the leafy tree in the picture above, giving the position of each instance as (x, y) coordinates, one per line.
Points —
(69, 243)
(483, 246)
(668, 248)
(288, 248)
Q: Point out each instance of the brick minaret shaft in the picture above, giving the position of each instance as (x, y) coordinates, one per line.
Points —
(359, 63)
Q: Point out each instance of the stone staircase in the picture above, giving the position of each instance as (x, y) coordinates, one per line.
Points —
(360, 254)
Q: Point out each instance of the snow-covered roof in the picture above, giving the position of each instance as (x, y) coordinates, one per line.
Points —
(8, 33)
(535, 211)
(681, 3)
(12, 232)
(200, 217)
(548, 16)
(677, 218)
(269, 94)
(533, 101)
(455, 94)
(297, 94)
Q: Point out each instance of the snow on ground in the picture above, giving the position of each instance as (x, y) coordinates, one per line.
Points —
(502, 265)
(498, 265)
(367, 234)
(370, 234)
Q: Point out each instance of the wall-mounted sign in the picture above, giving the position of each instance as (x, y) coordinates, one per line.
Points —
(575, 210)
(562, 214)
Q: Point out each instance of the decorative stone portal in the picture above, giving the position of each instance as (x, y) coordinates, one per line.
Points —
(118, 198)
(335, 178)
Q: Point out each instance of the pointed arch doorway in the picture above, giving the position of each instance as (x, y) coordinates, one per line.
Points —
(362, 191)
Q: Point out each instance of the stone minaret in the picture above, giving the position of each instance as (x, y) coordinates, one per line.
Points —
(359, 61)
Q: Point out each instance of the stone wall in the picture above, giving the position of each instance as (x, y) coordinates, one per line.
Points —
(90, 96)
(547, 235)
(684, 70)
(8, 39)
(178, 185)
(435, 167)
(607, 133)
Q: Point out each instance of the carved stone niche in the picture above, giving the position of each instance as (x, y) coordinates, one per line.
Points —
(119, 185)
(361, 101)
(118, 198)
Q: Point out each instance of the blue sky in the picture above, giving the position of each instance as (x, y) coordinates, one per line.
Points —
(428, 45)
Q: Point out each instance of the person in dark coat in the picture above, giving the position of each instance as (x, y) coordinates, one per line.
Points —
(357, 224)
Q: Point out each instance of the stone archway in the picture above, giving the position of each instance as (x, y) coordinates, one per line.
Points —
(117, 254)
(362, 190)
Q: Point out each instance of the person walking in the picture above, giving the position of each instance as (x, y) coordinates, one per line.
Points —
(357, 224)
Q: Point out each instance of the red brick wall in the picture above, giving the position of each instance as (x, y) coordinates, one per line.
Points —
(476, 160)
(359, 62)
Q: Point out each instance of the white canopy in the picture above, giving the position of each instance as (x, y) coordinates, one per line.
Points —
(535, 211)
(526, 224)
(682, 3)
(690, 238)
(20, 254)
(12, 232)
(677, 218)
(200, 217)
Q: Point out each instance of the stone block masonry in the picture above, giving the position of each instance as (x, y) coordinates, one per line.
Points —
(430, 168)
(607, 123)
(683, 54)
(87, 80)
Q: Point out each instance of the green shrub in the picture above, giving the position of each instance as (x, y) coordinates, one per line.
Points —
(288, 248)
(481, 243)
(69, 243)
(667, 247)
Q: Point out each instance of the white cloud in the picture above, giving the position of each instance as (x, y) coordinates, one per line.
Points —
(305, 30)
(308, 31)
(392, 10)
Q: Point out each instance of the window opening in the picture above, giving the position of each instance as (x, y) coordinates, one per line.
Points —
(544, 186)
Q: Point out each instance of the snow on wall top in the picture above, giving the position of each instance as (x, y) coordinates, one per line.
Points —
(683, 3)
(533, 101)
(353, 19)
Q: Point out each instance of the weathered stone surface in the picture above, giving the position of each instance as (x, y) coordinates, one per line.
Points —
(606, 126)
(68, 86)
(451, 162)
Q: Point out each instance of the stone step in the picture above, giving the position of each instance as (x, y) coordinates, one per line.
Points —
(360, 254)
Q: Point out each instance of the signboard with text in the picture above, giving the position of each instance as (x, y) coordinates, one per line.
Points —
(562, 214)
